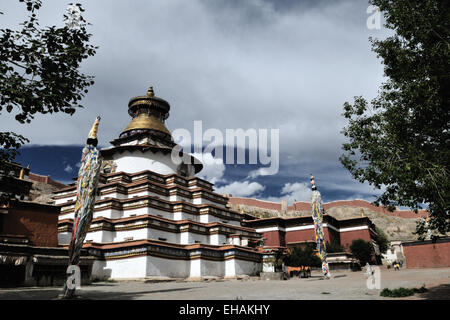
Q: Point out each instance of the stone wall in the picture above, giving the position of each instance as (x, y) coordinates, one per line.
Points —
(39, 223)
(426, 254)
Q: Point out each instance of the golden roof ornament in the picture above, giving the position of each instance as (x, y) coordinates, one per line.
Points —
(150, 92)
(94, 130)
(148, 113)
(146, 122)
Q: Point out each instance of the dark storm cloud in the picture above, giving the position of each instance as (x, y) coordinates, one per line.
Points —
(251, 7)
(288, 65)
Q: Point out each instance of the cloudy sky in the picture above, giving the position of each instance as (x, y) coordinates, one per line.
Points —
(261, 64)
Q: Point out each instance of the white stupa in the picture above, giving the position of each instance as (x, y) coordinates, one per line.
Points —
(153, 217)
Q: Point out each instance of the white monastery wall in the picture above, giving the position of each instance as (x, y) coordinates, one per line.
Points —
(64, 238)
(150, 266)
(206, 201)
(217, 239)
(64, 200)
(212, 268)
(189, 238)
(230, 268)
(115, 195)
(207, 218)
(100, 236)
(136, 161)
(244, 267)
(130, 268)
(167, 267)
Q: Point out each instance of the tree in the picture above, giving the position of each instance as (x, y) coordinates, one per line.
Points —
(362, 250)
(401, 140)
(382, 240)
(39, 72)
(334, 246)
(305, 257)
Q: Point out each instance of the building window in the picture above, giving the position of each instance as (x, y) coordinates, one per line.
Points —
(162, 239)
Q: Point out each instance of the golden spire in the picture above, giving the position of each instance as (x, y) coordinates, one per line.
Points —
(362, 213)
(93, 132)
(22, 172)
(150, 92)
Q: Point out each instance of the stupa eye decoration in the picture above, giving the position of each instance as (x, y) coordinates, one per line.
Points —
(183, 170)
(109, 166)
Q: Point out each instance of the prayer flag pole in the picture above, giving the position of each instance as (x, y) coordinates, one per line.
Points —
(317, 215)
(87, 183)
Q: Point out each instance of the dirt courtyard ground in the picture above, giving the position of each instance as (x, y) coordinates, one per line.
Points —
(344, 285)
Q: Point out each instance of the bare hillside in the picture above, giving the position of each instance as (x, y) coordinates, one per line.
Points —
(42, 192)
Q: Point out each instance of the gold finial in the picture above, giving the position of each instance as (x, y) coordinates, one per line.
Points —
(150, 92)
(22, 172)
(362, 213)
(93, 132)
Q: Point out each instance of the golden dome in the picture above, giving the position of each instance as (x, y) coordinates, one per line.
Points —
(149, 101)
(146, 122)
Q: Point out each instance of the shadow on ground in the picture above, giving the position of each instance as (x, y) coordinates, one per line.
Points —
(441, 292)
(52, 294)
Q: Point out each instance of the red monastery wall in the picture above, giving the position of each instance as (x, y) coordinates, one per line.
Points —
(273, 238)
(348, 236)
(36, 223)
(331, 235)
(276, 238)
(299, 236)
(427, 255)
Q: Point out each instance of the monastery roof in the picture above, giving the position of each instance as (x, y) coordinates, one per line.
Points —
(284, 221)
